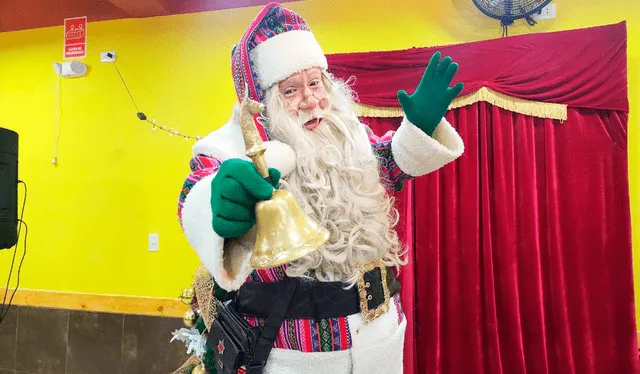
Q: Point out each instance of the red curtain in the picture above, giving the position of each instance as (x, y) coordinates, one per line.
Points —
(585, 68)
(520, 256)
(522, 249)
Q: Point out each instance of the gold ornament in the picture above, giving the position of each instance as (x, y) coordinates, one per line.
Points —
(200, 369)
(187, 295)
(190, 318)
(284, 232)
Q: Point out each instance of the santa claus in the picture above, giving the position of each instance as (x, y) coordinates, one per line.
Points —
(345, 315)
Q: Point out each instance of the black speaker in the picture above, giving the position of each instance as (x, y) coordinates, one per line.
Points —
(8, 188)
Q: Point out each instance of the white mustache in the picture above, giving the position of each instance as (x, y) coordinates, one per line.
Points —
(305, 116)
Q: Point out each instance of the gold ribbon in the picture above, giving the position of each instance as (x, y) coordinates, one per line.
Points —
(203, 285)
(188, 366)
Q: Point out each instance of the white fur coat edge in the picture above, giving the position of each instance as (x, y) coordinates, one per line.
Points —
(415, 153)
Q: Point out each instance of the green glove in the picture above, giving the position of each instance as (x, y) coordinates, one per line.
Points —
(428, 104)
(235, 190)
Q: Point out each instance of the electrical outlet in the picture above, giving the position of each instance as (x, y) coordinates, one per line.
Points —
(154, 244)
(548, 12)
(108, 56)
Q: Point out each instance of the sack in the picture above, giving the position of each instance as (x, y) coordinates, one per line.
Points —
(232, 339)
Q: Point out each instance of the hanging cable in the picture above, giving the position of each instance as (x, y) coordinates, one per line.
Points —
(143, 117)
(58, 110)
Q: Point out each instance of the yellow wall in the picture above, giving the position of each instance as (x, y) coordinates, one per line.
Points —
(117, 181)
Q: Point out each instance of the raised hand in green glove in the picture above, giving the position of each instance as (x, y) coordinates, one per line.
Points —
(235, 190)
(428, 104)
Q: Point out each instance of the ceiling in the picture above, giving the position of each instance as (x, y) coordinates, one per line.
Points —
(30, 14)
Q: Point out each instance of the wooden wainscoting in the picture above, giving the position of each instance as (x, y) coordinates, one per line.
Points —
(98, 303)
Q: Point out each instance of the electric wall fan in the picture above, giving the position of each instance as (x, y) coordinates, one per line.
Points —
(509, 10)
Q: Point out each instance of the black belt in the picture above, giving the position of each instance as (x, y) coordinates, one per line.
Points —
(321, 300)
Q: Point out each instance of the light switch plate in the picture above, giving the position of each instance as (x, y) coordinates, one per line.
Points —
(548, 12)
(154, 242)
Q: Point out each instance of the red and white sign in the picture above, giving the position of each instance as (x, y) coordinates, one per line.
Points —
(75, 37)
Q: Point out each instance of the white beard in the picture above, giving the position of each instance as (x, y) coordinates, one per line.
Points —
(337, 182)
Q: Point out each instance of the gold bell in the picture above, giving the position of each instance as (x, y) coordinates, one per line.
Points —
(284, 232)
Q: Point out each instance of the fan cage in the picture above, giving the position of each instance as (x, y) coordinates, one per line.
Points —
(518, 8)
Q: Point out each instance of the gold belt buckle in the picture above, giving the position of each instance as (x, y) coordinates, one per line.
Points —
(370, 315)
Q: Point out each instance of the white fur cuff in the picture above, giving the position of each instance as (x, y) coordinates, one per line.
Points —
(285, 54)
(417, 153)
(210, 247)
(227, 142)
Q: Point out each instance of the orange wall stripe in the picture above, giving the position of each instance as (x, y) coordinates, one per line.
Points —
(98, 303)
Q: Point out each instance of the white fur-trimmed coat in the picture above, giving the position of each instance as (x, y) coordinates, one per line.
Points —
(407, 152)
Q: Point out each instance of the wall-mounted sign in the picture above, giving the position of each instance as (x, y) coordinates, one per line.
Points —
(75, 37)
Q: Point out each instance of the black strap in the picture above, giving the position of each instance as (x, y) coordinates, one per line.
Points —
(313, 299)
(271, 327)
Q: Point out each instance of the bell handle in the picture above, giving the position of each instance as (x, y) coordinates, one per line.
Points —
(253, 142)
(256, 153)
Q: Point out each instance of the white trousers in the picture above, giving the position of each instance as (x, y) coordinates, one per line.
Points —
(377, 348)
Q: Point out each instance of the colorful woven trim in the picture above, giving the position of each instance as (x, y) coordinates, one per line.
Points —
(391, 176)
(308, 335)
(325, 335)
(399, 310)
(271, 21)
(201, 166)
(267, 275)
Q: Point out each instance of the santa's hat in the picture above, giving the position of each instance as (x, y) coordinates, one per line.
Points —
(277, 44)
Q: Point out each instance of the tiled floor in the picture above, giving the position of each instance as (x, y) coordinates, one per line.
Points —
(56, 341)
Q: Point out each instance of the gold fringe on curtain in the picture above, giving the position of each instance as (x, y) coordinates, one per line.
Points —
(513, 104)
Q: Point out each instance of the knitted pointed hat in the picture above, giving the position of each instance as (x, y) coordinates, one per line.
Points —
(277, 44)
